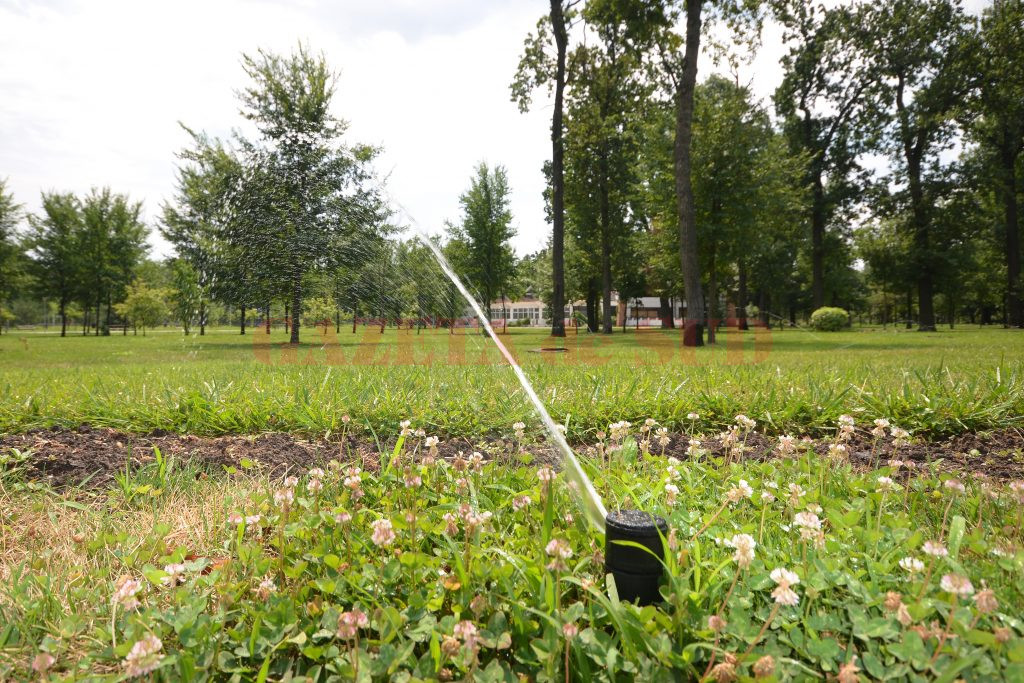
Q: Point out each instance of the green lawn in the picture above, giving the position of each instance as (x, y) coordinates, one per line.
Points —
(794, 380)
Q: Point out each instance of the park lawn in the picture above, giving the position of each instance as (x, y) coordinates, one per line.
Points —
(934, 384)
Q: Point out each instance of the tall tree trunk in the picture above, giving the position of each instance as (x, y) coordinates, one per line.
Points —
(558, 177)
(910, 308)
(202, 317)
(287, 320)
(693, 332)
(355, 314)
(741, 305)
(606, 247)
(591, 306)
(337, 321)
(63, 319)
(665, 313)
(296, 309)
(1014, 293)
(266, 319)
(712, 297)
(817, 218)
(99, 303)
(106, 325)
(242, 331)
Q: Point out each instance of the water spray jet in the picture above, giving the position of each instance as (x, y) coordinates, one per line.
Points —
(637, 571)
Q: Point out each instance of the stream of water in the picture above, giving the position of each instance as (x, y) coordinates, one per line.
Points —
(592, 504)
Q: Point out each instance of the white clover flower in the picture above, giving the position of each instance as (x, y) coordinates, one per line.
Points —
(745, 422)
(175, 574)
(807, 520)
(546, 474)
(744, 545)
(349, 623)
(431, 442)
(739, 492)
(693, 416)
(314, 486)
(519, 426)
(125, 591)
(671, 491)
(291, 482)
(383, 532)
(343, 517)
(783, 594)
(787, 444)
(558, 547)
(886, 484)
(935, 549)
(265, 589)
(956, 585)
(284, 497)
(781, 575)
(144, 657)
(912, 565)
(316, 473)
(413, 480)
(954, 485)
(559, 550)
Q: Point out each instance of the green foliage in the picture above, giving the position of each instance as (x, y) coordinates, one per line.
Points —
(187, 294)
(436, 569)
(143, 306)
(830, 319)
(318, 311)
(304, 200)
(480, 244)
(10, 244)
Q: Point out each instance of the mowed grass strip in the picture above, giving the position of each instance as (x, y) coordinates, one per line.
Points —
(967, 379)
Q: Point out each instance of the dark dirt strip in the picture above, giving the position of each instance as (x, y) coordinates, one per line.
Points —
(93, 457)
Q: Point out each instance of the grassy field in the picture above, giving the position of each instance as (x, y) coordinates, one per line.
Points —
(795, 380)
(445, 569)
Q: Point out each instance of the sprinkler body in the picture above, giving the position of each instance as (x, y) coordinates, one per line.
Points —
(637, 572)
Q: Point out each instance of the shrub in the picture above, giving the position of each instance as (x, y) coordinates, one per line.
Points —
(830, 319)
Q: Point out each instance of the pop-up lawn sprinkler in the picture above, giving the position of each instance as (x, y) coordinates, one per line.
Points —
(637, 572)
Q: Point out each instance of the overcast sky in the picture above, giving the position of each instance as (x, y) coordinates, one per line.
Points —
(91, 92)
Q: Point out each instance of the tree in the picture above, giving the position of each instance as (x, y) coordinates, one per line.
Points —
(143, 306)
(999, 127)
(194, 223)
(534, 70)
(55, 242)
(821, 101)
(10, 245)
(301, 190)
(918, 51)
(483, 252)
(187, 294)
(113, 242)
(652, 26)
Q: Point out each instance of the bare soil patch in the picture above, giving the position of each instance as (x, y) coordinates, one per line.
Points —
(92, 457)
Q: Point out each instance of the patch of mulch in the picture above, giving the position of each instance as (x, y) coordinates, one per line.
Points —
(92, 457)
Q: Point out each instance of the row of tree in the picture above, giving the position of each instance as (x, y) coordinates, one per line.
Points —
(883, 179)
(664, 185)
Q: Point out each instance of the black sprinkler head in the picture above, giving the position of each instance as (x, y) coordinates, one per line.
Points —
(637, 572)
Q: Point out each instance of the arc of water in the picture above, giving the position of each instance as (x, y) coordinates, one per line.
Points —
(592, 504)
